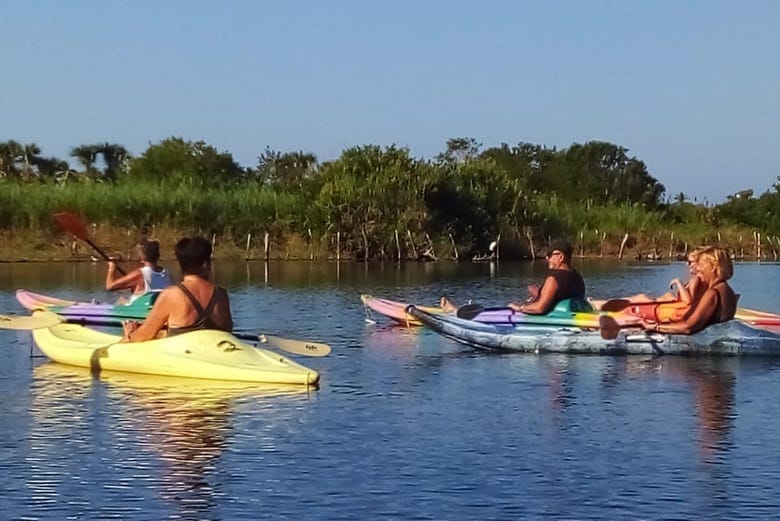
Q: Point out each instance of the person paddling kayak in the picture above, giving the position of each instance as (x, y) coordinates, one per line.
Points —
(562, 282)
(149, 277)
(194, 303)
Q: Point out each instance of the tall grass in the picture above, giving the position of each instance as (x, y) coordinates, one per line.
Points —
(243, 208)
(237, 210)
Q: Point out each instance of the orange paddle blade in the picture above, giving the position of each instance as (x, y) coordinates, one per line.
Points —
(608, 327)
(77, 225)
(72, 223)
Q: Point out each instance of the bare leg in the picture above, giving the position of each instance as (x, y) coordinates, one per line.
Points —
(641, 297)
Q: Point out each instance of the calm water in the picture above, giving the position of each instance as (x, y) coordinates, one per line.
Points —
(406, 425)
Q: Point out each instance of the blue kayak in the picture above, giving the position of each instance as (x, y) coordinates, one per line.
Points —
(729, 338)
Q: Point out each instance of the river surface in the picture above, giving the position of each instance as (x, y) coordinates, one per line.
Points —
(405, 425)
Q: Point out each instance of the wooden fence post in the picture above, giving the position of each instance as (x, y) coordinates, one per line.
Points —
(365, 243)
(454, 247)
(623, 245)
(411, 242)
(741, 249)
(430, 253)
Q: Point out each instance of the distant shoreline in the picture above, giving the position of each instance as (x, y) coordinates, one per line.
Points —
(50, 245)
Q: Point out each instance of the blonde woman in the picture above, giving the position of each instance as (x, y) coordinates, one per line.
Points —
(669, 307)
(718, 302)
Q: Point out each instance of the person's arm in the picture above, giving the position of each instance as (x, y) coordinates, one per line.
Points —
(129, 281)
(695, 289)
(154, 323)
(679, 288)
(697, 320)
(533, 294)
(222, 316)
(545, 301)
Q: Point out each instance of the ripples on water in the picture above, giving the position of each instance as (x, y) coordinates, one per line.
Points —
(407, 425)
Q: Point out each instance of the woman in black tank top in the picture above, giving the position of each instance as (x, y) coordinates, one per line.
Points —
(204, 320)
(195, 303)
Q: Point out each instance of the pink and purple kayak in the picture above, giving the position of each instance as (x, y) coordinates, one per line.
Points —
(395, 310)
(87, 311)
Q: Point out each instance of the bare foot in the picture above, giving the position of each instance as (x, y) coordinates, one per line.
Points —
(446, 305)
(596, 303)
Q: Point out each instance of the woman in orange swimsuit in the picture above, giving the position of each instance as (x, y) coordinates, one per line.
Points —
(670, 306)
(718, 302)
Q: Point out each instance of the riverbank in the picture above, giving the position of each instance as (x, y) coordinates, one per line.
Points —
(38, 245)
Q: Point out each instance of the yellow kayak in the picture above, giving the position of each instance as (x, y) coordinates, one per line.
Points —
(208, 354)
(52, 380)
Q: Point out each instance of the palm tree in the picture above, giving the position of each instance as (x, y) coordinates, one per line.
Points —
(86, 155)
(50, 167)
(10, 153)
(113, 156)
(29, 156)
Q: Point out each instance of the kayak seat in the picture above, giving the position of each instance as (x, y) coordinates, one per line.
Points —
(145, 301)
(571, 305)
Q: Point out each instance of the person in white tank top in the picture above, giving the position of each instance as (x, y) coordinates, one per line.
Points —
(149, 277)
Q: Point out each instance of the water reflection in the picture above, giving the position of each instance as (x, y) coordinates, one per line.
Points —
(712, 386)
(560, 382)
(186, 425)
(708, 384)
(390, 338)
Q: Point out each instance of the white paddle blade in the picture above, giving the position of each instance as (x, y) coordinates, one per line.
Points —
(298, 347)
(39, 320)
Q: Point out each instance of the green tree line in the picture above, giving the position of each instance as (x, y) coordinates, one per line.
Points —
(381, 199)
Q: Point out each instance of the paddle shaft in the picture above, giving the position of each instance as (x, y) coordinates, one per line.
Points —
(106, 257)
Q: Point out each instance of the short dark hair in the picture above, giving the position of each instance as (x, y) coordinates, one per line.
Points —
(561, 245)
(149, 250)
(192, 254)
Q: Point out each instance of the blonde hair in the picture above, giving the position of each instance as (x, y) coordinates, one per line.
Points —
(720, 261)
(695, 253)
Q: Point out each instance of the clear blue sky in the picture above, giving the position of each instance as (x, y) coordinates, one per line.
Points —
(690, 88)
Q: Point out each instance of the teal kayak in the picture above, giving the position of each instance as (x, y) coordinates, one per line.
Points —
(729, 338)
